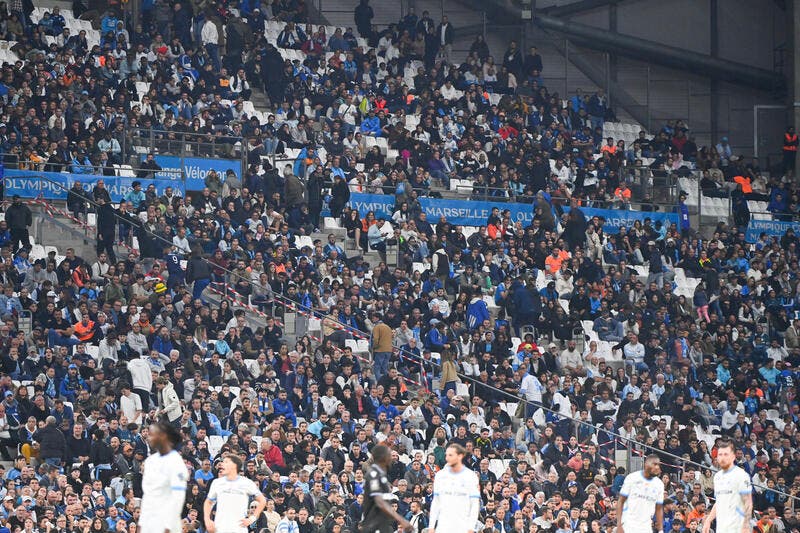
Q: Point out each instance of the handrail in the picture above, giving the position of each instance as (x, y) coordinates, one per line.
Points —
(310, 311)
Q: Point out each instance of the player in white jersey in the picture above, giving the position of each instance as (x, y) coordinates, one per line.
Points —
(456, 496)
(733, 492)
(231, 494)
(163, 482)
(641, 498)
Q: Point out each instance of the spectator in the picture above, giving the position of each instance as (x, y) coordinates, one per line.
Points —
(363, 18)
(52, 444)
(19, 218)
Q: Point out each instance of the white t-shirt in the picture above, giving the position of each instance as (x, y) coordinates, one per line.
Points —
(129, 405)
(532, 388)
(729, 487)
(456, 501)
(232, 499)
(642, 495)
(164, 492)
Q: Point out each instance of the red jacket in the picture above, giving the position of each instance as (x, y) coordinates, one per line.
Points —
(274, 457)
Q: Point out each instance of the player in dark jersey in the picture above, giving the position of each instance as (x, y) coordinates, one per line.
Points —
(378, 515)
(176, 273)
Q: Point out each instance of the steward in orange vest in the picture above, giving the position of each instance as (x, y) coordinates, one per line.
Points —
(789, 150)
(84, 329)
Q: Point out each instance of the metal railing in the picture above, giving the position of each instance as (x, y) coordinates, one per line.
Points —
(140, 141)
(11, 161)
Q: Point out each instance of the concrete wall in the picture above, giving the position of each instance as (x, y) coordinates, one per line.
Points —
(749, 31)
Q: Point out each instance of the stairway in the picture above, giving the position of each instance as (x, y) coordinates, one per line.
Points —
(49, 229)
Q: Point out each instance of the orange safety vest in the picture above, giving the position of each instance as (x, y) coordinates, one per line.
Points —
(744, 182)
(789, 142)
(84, 333)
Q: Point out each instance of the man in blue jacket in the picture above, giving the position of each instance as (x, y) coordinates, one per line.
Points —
(527, 304)
(437, 340)
(371, 125)
(477, 312)
(282, 406)
(683, 213)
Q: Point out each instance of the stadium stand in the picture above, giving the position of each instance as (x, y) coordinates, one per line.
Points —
(611, 292)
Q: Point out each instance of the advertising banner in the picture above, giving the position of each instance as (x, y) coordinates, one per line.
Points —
(194, 169)
(476, 212)
(773, 228)
(28, 185)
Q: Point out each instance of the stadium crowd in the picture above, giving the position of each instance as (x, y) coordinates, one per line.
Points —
(608, 359)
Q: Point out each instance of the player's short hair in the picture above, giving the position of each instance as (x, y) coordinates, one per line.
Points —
(652, 458)
(380, 453)
(726, 443)
(170, 431)
(459, 449)
(236, 460)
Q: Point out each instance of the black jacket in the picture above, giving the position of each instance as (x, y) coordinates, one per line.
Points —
(196, 269)
(52, 444)
(18, 216)
(449, 33)
(106, 221)
(76, 199)
(77, 448)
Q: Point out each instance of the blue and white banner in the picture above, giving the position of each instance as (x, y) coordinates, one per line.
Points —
(194, 169)
(773, 228)
(617, 218)
(475, 213)
(27, 184)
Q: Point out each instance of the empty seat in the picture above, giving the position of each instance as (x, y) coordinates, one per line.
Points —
(303, 240)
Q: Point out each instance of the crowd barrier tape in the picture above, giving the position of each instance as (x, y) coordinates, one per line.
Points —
(28, 184)
(194, 169)
(53, 210)
(476, 212)
(772, 228)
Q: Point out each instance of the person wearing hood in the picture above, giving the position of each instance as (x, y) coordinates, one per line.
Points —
(575, 228)
(294, 191)
(477, 312)
(106, 229)
(232, 182)
(527, 304)
(169, 405)
(543, 212)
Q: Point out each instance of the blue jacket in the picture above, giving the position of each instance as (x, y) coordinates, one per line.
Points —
(135, 198)
(435, 340)
(371, 126)
(683, 211)
(284, 408)
(390, 410)
(477, 312)
(526, 298)
(162, 346)
(82, 167)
